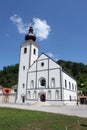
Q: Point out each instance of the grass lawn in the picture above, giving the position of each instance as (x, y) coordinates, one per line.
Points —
(16, 119)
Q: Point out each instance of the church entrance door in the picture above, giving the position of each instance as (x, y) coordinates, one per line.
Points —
(23, 99)
(42, 98)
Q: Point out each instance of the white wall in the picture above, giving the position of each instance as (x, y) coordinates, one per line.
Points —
(26, 59)
(8, 98)
(69, 91)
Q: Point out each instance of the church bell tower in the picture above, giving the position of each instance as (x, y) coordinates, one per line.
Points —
(28, 54)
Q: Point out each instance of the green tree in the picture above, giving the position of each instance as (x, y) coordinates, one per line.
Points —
(9, 76)
(77, 70)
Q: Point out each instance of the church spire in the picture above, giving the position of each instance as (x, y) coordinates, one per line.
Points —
(30, 35)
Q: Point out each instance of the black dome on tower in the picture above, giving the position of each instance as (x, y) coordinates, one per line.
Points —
(30, 36)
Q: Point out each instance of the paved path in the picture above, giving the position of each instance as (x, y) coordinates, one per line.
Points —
(80, 110)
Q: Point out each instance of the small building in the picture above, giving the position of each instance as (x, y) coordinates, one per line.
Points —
(8, 95)
(83, 99)
(41, 79)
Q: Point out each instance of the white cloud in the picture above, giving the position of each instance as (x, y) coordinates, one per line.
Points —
(41, 28)
(22, 27)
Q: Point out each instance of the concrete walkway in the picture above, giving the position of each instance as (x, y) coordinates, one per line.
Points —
(80, 110)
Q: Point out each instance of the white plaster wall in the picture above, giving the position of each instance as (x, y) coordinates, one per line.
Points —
(55, 73)
(12, 98)
(45, 67)
(33, 56)
(1, 98)
(41, 74)
(67, 92)
(0, 91)
(31, 76)
(42, 57)
(9, 99)
(42, 71)
(25, 60)
(32, 67)
(53, 64)
(39, 91)
(69, 79)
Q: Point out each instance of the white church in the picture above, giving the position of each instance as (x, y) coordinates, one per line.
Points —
(41, 79)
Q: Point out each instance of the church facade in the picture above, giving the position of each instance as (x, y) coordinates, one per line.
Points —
(41, 79)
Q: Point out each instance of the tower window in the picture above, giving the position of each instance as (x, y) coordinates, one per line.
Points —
(34, 51)
(25, 50)
(23, 67)
(23, 85)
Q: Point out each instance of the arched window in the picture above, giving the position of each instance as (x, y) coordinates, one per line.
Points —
(42, 82)
(57, 94)
(34, 51)
(65, 83)
(49, 94)
(35, 94)
(72, 86)
(23, 85)
(28, 95)
(23, 67)
(32, 84)
(25, 50)
(53, 82)
(70, 98)
(69, 85)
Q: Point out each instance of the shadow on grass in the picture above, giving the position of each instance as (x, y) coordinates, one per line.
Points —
(84, 125)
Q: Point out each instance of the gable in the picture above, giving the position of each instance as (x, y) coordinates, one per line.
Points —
(52, 63)
(42, 57)
(43, 62)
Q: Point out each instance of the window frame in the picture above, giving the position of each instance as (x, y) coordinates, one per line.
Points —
(42, 82)
(34, 51)
(65, 83)
(32, 84)
(52, 82)
(25, 50)
(49, 94)
(56, 94)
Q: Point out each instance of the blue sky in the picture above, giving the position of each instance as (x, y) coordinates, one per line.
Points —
(63, 25)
